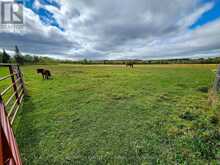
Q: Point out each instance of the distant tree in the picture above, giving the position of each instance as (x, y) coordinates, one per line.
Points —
(28, 59)
(36, 60)
(85, 61)
(18, 57)
(0, 57)
(5, 57)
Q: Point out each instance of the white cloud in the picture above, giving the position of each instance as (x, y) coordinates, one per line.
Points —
(37, 4)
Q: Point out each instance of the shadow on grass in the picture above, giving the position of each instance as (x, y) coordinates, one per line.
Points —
(27, 135)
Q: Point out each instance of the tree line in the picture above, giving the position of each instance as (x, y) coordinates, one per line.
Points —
(214, 60)
(28, 59)
(24, 59)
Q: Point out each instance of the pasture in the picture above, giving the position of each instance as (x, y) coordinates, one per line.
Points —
(153, 114)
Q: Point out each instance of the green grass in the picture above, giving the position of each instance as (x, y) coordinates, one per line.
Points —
(155, 114)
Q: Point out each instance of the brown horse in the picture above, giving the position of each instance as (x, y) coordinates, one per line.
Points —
(45, 73)
(130, 64)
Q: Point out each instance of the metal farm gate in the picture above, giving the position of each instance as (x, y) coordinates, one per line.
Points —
(12, 92)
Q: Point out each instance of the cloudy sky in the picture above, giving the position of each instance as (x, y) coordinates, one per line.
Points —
(117, 29)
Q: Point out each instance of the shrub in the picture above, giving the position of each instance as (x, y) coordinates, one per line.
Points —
(187, 116)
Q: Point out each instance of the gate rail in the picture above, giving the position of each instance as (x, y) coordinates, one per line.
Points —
(9, 153)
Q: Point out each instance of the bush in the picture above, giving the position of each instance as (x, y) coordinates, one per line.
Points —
(187, 116)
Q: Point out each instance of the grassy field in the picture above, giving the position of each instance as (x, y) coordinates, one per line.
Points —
(154, 114)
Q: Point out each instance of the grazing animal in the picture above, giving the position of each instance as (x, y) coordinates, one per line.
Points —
(45, 73)
(130, 64)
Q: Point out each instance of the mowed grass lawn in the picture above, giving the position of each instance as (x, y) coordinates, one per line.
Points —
(153, 114)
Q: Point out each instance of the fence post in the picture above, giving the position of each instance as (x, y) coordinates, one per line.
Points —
(217, 80)
(14, 85)
(22, 81)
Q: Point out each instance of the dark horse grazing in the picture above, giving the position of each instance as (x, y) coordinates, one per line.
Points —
(45, 73)
(130, 64)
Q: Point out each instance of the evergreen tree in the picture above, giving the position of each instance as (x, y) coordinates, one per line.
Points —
(5, 57)
(0, 57)
(18, 57)
(17, 52)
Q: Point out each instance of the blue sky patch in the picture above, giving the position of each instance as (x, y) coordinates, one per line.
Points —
(45, 16)
(50, 2)
(208, 16)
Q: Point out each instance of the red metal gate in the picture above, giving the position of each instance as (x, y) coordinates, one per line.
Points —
(10, 100)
